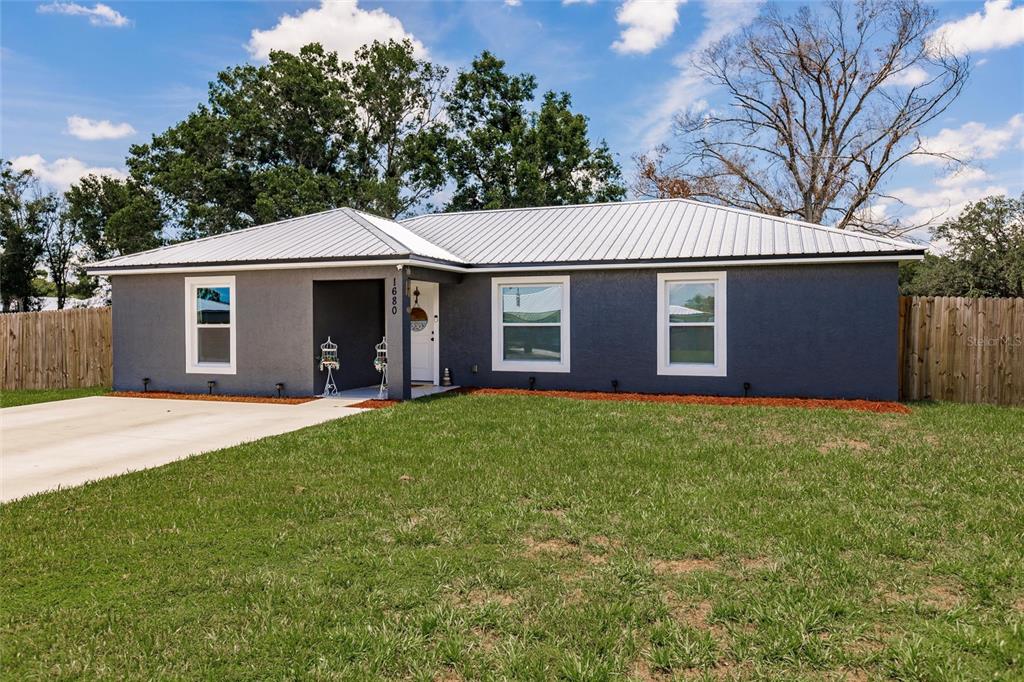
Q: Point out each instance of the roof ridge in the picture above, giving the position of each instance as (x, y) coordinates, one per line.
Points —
(531, 208)
(211, 237)
(384, 237)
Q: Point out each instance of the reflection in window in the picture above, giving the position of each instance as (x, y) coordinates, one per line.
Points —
(691, 319)
(531, 319)
(210, 336)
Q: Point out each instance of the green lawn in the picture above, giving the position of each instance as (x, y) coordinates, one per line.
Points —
(46, 395)
(533, 538)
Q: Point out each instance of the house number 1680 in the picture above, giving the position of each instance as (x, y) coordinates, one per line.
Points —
(394, 296)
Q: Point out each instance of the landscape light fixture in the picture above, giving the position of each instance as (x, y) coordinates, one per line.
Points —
(145, 384)
(210, 384)
(615, 385)
(280, 387)
(746, 388)
(532, 381)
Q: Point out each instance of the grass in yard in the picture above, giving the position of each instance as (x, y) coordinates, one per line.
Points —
(534, 538)
(46, 395)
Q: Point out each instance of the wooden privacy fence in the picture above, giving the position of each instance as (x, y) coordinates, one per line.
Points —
(56, 349)
(966, 350)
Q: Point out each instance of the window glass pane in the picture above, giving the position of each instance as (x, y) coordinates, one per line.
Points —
(540, 303)
(213, 305)
(691, 302)
(691, 345)
(533, 343)
(214, 344)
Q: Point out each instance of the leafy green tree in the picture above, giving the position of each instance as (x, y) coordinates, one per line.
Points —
(399, 139)
(985, 255)
(503, 156)
(21, 236)
(113, 217)
(60, 245)
(301, 134)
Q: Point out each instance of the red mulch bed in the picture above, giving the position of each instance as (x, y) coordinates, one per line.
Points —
(218, 397)
(805, 403)
(375, 404)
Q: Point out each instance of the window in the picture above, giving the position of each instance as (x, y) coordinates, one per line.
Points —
(530, 324)
(210, 325)
(691, 324)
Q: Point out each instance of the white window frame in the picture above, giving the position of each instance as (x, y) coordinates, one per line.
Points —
(192, 364)
(498, 361)
(718, 369)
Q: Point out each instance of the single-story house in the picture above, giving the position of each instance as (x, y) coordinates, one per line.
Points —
(661, 296)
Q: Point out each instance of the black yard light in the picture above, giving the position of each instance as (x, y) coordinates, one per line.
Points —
(615, 385)
(746, 388)
(145, 384)
(532, 381)
(280, 388)
(210, 384)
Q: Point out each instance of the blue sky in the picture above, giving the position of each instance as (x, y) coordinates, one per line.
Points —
(83, 81)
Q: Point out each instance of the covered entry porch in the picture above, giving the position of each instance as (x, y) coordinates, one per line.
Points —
(359, 312)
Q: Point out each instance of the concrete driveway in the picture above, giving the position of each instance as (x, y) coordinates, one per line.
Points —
(69, 442)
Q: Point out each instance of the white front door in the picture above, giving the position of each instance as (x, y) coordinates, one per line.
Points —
(423, 332)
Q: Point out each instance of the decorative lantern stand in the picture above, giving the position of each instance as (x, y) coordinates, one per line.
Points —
(380, 363)
(329, 361)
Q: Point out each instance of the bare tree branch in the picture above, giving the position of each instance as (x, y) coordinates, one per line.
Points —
(817, 119)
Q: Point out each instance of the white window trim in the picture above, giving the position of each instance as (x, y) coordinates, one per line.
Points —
(498, 361)
(692, 369)
(192, 364)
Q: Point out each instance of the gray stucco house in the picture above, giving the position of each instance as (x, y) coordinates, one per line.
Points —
(666, 296)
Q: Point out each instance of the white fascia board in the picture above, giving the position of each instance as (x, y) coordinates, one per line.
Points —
(303, 265)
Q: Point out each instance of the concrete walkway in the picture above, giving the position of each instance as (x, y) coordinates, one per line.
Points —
(69, 442)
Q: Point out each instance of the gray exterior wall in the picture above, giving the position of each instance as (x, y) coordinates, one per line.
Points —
(274, 314)
(793, 330)
(812, 331)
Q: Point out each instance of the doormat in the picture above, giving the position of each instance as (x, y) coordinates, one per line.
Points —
(216, 397)
(879, 406)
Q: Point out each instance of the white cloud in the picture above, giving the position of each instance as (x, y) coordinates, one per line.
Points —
(513, 3)
(999, 24)
(340, 26)
(689, 88)
(962, 176)
(973, 140)
(61, 173)
(578, 2)
(88, 129)
(947, 198)
(911, 76)
(99, 14)
(648, 24)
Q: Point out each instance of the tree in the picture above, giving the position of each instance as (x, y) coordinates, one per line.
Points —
(301, 134)
(985, 254)
(60, 244)
(824, 104)
(113, 216)
(504, 156)
(21, 236)
(397, 154)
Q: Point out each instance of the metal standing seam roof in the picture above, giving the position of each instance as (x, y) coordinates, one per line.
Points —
(667, 229)
(656, 230)
(337, 234)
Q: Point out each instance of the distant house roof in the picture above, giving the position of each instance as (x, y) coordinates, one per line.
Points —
(667, 230)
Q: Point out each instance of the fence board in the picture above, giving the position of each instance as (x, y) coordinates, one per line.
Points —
(56, 349)
(968, 350)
